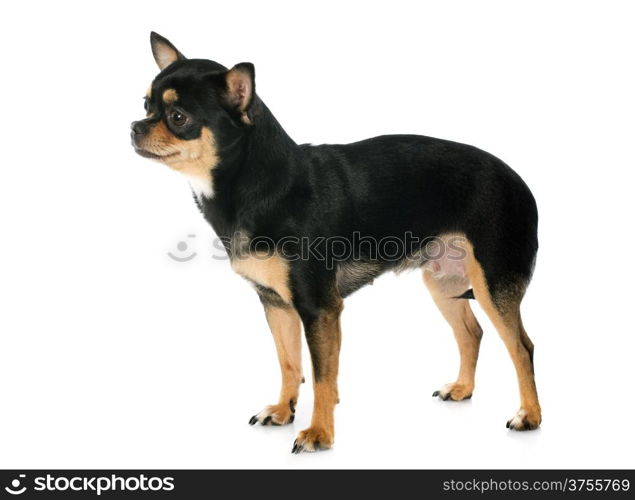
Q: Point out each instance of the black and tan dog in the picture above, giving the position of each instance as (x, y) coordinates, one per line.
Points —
(255, 185)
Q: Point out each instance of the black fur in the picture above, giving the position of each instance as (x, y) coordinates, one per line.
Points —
(266, 185)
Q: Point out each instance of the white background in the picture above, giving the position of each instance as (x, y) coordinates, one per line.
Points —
(113, 355)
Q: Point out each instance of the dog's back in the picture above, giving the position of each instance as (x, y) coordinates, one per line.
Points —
(396, 184)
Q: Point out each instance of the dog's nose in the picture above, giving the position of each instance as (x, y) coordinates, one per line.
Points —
(139, 128)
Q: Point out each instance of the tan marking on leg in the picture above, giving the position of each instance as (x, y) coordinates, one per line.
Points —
(271, 271)
(467, 331)
(285, 327)
(170, 96)
(505, 315)
(326, 345)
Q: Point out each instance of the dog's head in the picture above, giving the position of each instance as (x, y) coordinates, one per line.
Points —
(195, 108)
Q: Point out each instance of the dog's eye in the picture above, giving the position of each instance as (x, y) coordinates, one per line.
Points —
(177, 118)
(146, 103)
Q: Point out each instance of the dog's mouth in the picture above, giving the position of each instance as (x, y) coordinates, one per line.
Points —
(147, 154)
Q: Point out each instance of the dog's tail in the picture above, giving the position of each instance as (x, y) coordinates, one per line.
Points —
(468, 294)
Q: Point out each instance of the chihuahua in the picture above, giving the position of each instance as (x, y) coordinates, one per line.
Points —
(309, 225)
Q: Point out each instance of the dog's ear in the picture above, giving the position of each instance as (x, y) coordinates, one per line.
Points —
(163, 51)
(240, 82)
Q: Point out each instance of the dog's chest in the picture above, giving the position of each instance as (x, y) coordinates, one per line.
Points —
(265, 268)
(201, 187)
(269, 271)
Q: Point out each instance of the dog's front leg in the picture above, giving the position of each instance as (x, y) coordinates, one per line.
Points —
(285, 327)
(322, 327)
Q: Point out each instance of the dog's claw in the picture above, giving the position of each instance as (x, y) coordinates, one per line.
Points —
(297, 448)
(253, 420)
(508, 424)
(435, 394)
(266, 420)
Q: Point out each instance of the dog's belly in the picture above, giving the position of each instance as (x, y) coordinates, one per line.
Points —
(352, 275)
(446, 256)
(446, 266)
(443, 256)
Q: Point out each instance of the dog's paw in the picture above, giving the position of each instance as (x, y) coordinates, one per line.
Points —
(454, 392)
(279, 414)
(313, 439)
(525, 420)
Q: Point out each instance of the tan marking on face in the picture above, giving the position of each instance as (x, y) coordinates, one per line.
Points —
(195, 158)
(271, 271)
(170, 96)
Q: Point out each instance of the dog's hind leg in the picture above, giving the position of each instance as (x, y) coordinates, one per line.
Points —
(285, 326)
(467, 332)
(501, 302)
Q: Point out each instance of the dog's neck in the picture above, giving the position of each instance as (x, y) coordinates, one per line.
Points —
(268, 143)
(260, 166)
